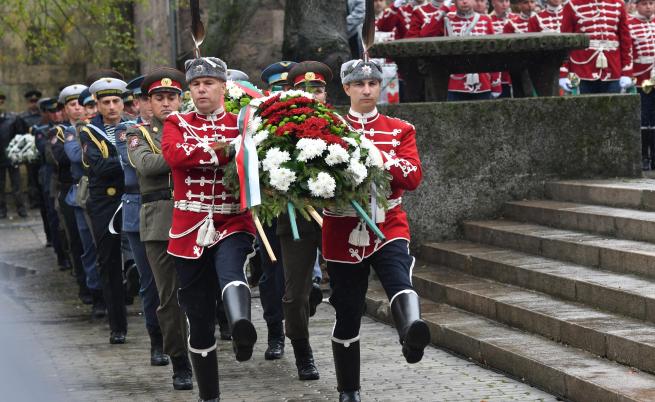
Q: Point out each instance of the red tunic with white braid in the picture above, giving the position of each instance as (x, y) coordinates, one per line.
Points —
(609, 55)
(498, 23)
(198, 180)
(396, 140)
(421, 16)
(395, 20)
(473, 24)
(518, 23)
(547, 20)
(642, 31)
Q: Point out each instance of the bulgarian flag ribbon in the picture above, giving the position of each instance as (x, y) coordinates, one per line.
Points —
(248, 88)
(247, 162)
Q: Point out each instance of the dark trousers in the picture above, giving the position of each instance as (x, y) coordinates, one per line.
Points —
(88, 257)
(647, 124)
(54, 226)
(599, 87)
(507, 91)
(349, 282)
(271, 283)
(33, 188)
(298, 259)
(14, 178)
(202, 279)
(75, 249)
(454, 96)
(110, 265)
(171, 317)
(148, 289)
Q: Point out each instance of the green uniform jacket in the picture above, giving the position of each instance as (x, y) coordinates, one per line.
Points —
(144, 151)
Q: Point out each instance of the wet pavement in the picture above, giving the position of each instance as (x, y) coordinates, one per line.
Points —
(54, 351)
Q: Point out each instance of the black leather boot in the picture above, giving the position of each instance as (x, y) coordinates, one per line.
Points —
(236, 299)
(414, 333)
(346, 366)
(182, 375)
(275, 348)
(304, 360)
(206, 369)
(157, 356)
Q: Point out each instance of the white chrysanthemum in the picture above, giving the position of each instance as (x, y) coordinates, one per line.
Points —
(366, 143)
(282, 178)
(323, 186)
(358, 171)
(294, 93)
(336, 155)
(310, 148)
(256, 122)
(356, 154)
(374, 157)
(234, 91)
(260, 137)
(274, 158)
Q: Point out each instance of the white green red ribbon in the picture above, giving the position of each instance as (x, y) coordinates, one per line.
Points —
(247, 162)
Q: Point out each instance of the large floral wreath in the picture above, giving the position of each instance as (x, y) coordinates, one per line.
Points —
(309, 156)
(239, 94)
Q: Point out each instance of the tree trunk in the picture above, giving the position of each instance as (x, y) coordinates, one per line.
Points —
(316, 30)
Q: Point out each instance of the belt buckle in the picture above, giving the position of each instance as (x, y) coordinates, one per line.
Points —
(111, 191)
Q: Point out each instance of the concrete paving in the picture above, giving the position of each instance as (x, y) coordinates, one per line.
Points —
(55, 349)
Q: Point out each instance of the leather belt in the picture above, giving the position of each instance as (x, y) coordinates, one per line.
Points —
(156, 196)
(197, 206)
(132, 189)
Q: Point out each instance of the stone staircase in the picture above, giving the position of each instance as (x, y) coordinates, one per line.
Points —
(559, 293)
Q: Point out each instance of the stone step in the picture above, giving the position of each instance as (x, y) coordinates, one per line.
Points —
(565, 371)
(616, 337)
(623, 256)
(620, 193)
(616, 222)
(625, 294)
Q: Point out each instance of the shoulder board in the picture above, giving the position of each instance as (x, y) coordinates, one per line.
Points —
(148, 137)
(102, 146)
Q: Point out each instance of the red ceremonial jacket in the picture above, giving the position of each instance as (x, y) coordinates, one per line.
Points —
(396, 139)
(457, 25)
(642, 31)
(609, 55)
(396, 20)
(197, 180)
(518, 23)
(421, 16)
(498, 24)
(547, 20)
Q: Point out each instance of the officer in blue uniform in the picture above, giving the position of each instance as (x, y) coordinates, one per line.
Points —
(73, 150)
(131, 208)
(106, 188)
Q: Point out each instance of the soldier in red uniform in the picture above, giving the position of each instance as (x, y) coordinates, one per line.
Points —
(547, 20)
(397, 17)
(642, 31)
(392, 144)
(606, 65)
(466, 22)
(211, 236)
(423, 14)
(518, 23)
(499, 18)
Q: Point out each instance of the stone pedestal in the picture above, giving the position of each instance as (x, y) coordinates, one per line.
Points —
(533, 60)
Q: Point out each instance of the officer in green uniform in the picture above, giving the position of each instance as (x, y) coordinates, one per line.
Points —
(164, 88)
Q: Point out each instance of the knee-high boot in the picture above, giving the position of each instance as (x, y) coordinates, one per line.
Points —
(346, 366)
(236, 299)
(206, 369)
(414, 333)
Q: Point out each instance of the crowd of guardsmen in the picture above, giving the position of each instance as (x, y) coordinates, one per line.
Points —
(124, 182)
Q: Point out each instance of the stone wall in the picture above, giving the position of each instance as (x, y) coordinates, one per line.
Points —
(154, 21)
(477, 155)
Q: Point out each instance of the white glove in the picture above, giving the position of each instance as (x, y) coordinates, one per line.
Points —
(565, 84)
(496, 95)
(399, 3)
(625, 82)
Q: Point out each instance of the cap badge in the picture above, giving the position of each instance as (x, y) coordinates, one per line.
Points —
(166, 82)
(310, 76)
(284, 76)
(199, 69)
(367, 70)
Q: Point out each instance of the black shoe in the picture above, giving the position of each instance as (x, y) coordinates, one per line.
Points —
(224, 333)
(315, 298)
(304, 360)
(48, 243)
(414, 333)
(236, 301)
(275, 348)
(99, 309)
(85, 296)
(182, 376)
(22, 212)
(157, 357)
(206, 371)
(117, 338)
(349, 396)
(64, 264)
